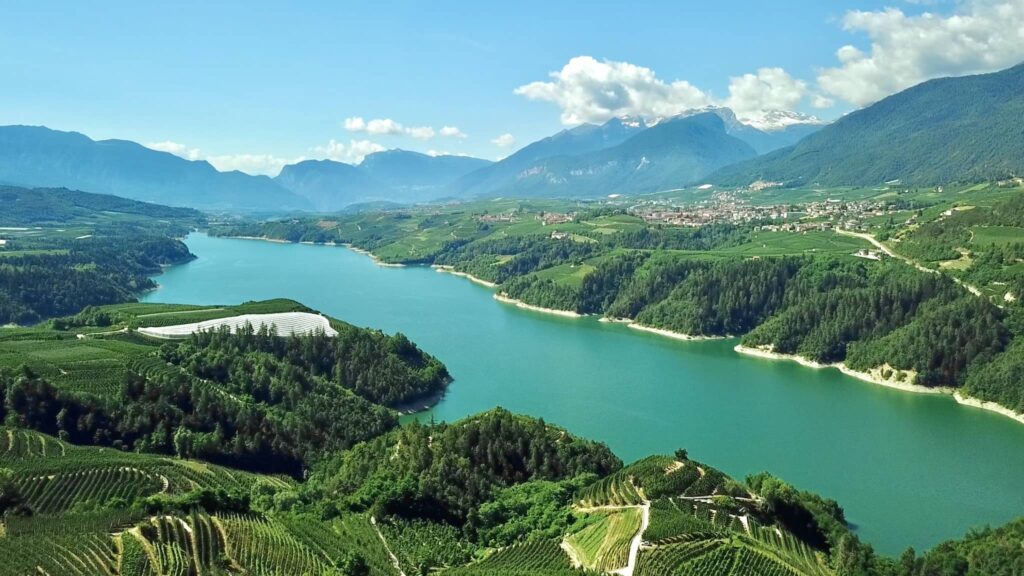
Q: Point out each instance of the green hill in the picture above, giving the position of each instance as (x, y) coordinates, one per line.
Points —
(176, 471)
(940, 131)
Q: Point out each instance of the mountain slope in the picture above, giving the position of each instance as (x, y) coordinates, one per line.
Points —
(574, 141)
(330, 185)
(668, 155)
(411, 171)
(391, 176)
(41, 157)
(950, 129)
(777, 129)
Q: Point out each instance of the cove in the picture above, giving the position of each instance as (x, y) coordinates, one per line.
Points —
(910, 470)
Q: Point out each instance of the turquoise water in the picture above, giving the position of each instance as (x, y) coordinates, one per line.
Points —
(910, 470)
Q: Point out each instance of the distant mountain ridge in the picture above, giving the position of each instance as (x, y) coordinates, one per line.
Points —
(571, 142)
(594, 159)
(967, 128)
(671, 154)
(388, 176)
(36, 156)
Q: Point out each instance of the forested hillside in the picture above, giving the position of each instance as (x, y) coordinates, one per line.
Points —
(249, 452)
(62, 250)
(796, 294)
(941, 131)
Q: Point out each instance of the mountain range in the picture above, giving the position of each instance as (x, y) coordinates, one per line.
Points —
(946, 130)
(670, 154)
(40, 157)
(633, 154)
(969, 128)
(393, 176)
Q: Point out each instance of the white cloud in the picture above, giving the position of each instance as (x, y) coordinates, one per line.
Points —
(388, 127)
(176, 149)
(420, 132)
(504, 141)
(352, 153)
(265, 164)
(452, 132)
(446, 153)
(588, 90)
(384, 127)
(821, 102)
(769, 89)
(355, 124)
(982, 36)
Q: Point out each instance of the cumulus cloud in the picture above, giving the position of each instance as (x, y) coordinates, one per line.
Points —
(355, 124)
(436, 153)
(982, 36)
(769, 89)
(388, 127)
(351, 153)
(176, 149)
(588, 90)
(452, 132)
(260, 164)
(504, 141)
(265, 164)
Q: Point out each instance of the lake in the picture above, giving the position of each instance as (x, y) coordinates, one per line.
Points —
(910, 470)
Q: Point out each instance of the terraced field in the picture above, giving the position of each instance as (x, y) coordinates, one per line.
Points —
(543, 558)
(83, 523)
(604, 545)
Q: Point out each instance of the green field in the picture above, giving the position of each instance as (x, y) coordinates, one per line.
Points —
(604, 544)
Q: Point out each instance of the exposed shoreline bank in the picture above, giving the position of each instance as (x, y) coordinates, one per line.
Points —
(372, 256)
(865, 376)
(451, 270)
(990, 406)
(889, 383)
(668, 333)
(520, 304)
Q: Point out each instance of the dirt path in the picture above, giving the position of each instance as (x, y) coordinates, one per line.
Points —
(394, 559)
(909, 261)
(634, 546)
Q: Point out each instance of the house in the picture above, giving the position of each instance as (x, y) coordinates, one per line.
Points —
(868, 254)
(559, 235)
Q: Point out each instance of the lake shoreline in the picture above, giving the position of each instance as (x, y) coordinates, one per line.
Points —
(451, 270)
(669, 333)
(372, 256)
(863, 376)
(501, 297)
(959, 397)
(987, 405)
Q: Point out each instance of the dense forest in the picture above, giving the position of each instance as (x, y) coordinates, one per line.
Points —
(252, 399)
(60, 277)
(64, 250)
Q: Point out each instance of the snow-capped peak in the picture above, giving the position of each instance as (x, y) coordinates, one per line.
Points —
(772, 120)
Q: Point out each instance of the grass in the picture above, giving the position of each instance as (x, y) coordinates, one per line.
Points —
(95, 359)
(987, 235)
(85, 365)
(787, 243)
(604, 544)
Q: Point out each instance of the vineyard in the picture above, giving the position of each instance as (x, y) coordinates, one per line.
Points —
(93, 365)
(656, 477)
(688, 537)
(604, 544)
(543, 558)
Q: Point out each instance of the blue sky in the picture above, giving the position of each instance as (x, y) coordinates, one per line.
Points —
(255, 84)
